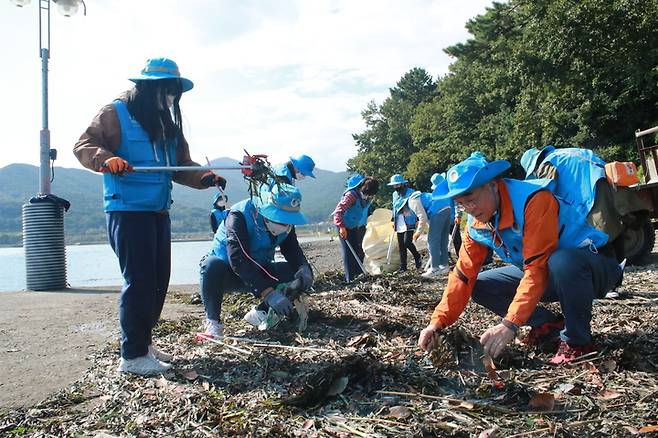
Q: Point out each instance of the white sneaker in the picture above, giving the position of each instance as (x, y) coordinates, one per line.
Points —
(214, 329)
(435, 272)
(146, 365)
(255, 317)
(160, 355)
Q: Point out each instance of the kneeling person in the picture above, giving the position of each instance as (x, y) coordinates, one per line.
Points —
(242, 257)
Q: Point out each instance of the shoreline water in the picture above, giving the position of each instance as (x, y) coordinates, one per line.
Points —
(181, 239)
(95, 265)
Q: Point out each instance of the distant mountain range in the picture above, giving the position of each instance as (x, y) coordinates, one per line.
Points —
(85, 220)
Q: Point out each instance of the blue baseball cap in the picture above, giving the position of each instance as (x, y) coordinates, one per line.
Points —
(162, 68)
(473, 172)
(531, 156)
(283, 205)
(305, 164)
(397, 180)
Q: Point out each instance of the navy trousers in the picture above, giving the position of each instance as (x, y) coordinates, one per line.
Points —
(350, 264)
(576, 278)
(142, 242)
(217, 277)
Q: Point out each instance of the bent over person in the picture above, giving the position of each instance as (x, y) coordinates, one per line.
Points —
(142, 127)
(553, 256)
(351, 217)
(242, 258)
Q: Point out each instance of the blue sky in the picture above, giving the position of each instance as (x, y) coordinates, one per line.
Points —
(278, 77)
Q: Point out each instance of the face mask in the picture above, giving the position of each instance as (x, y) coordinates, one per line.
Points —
(400, 189)
(220, 203)
(277, 229)
(366, 197)
(300, 176)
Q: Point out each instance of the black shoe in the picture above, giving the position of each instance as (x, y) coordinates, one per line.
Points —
(419, 263)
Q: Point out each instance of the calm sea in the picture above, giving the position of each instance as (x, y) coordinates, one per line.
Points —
(96, 265)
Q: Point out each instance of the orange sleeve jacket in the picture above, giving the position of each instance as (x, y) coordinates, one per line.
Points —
(540, 239)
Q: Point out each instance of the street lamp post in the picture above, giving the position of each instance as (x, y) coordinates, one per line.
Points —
(43, 215)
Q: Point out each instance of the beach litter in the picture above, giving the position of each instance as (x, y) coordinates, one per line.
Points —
(356, 371)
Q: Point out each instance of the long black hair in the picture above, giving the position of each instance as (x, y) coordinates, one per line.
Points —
(147, 103)
(369, 186)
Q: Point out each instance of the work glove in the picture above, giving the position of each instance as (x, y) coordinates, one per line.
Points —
(342, 232)
(279, 302)
(305, 275)
(116, 165)
(210, 179)
(416, 236)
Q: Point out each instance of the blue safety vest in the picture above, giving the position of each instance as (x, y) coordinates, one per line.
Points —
(282, 171)
(136, 191)
(261, 243)
(433, 206)
(573, 231)
(578, 171)
(398, 204)
(357, 214)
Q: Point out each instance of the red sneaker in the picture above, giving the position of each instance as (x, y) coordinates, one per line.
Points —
(547, 332)
(567, 353)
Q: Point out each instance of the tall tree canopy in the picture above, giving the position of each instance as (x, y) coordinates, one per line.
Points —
(563, 72)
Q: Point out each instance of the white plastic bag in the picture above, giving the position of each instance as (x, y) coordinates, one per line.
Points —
(380, 244)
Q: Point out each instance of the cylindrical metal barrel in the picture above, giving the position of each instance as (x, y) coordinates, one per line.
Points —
(43, 242)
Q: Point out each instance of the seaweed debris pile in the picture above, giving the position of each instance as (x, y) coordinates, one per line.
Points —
(356, 371)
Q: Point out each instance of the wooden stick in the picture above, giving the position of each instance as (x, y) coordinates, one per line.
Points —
(495, 408)
(377, 420)
(411, 394)
(265, 344)
(231, 347)
(546, 429)
(355, 431)
(292, 347)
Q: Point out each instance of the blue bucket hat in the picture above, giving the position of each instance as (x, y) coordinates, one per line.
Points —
(354, 181)
(283, 205)
(531, 156)
(473, 172)
(397, 180)
(437, 179)
(305, 164)
(162, 68)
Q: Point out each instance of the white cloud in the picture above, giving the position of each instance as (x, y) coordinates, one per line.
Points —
(279, 77)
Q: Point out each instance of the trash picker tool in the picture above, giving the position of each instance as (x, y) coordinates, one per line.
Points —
(363, 269)
(187, 168)
(390, 248)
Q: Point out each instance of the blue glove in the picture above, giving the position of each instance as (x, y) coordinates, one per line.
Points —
(279, 302)
(305, 274)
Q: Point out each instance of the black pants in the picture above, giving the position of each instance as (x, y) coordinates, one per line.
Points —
(350, 264)
(217, 277)
(406, 242)
(142, 243)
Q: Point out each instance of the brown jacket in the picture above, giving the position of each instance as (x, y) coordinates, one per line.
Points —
(103, 137)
